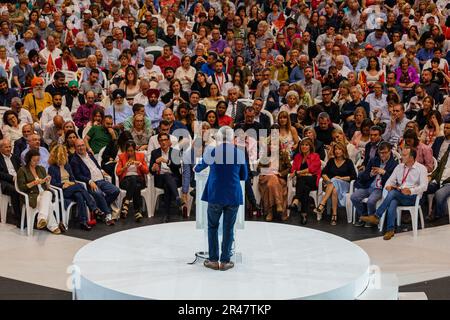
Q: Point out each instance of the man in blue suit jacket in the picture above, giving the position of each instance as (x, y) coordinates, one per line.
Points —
(223, 193)
(371, 182)
(86, 169)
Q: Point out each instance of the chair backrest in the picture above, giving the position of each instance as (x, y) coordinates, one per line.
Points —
(100, 154)
(267, 113)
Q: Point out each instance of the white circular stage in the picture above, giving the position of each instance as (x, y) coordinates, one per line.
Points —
(278, 262)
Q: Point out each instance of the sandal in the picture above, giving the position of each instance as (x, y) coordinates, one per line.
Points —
(138, 216)
(334, 220)
(124, 210)
(319, 209)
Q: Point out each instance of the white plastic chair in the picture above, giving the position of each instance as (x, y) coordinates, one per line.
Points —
(415, 211)
(29, 212)
(5, 200)
(62, 210)
(152, 193)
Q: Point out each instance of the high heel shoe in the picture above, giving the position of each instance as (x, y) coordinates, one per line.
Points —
(334, 220)
(318, 211)
(124, 210)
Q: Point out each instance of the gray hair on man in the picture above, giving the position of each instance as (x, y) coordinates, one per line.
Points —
(16, 101)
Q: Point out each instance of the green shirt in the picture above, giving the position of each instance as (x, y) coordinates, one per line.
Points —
(128, 123)
(99, 138)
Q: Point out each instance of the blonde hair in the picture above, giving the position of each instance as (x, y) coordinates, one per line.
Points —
(288, 123)
(58, 155)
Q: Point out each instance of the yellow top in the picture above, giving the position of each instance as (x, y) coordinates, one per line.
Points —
(41, 104)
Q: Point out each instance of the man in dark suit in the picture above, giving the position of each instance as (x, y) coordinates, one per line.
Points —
(371, 181)
(372, 146)
(86, 169)
(6, 94)
(165, 166)
(9, 164)
(276, 98)
(441, 144)
(262, 118)
(198, 108)
(235, 109)
(439, 186)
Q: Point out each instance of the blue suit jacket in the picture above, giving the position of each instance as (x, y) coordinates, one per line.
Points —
(80, 170)
(436, 146)
(55, 173)
(365, 180)
(224, 181)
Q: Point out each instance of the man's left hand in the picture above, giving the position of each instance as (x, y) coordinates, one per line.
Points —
(406, 191)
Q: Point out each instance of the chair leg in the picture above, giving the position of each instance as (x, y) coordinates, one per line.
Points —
(414, 218)
(3, 208)
(421, 218)
(22, 218)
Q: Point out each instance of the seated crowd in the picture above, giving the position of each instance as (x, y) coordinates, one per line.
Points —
(109, 100)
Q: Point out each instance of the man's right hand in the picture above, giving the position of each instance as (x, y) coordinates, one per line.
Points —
(93, 186)
(389, 188)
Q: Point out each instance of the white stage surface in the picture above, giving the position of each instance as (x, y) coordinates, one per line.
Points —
(278, 262)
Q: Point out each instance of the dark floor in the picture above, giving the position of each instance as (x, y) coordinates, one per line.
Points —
(18, 290)
(437, 289)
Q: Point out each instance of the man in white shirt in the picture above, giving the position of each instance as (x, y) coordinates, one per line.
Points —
(153, 144)
(24, 115)
(49, 54)
(396, 127)
(408, 180)
(150, 71)
(377, 102)
(56, 109)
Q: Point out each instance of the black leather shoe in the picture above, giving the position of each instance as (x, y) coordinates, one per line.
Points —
(85, 226)
(293, 207)
(166, 219)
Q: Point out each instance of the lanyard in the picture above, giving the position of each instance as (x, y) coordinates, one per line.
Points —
(405, 175)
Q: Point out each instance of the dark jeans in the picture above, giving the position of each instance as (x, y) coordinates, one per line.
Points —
(169, 183)
(305, 184)
(78, 194)
(133, 185)
(394, 199)
(441, 194)
(106, 194)
(229, 219)
(10, 190)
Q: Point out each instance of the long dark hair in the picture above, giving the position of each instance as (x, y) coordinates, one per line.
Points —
(216, 123)
(241, 83)
(376, 60)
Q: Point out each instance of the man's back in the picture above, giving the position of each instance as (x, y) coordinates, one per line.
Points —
(227, 169)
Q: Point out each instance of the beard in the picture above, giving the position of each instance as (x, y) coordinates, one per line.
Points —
(39, 93)
(73, 93)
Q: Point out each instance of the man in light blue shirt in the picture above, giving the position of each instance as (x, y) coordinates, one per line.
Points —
(154, 108)
(34, 142)
(119, 110)
(378, 39)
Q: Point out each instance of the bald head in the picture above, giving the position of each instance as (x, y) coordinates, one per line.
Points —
(58, 121)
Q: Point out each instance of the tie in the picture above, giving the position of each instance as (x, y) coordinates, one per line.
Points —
(233, 111)
(50, 65)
